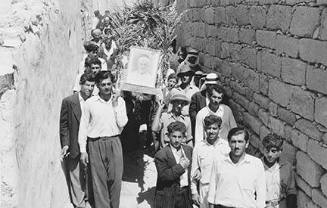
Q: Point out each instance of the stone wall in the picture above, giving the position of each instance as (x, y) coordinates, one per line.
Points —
(40, 49)
(271, 56)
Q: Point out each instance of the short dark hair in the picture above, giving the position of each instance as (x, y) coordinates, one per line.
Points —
(176, 126)
(212, 119)
(95, 60)
(86, 77)
(236, 131)
(216, 88)
(172, 76)
(90, 46)
(101, 75)
(272, 140)
(88, 59)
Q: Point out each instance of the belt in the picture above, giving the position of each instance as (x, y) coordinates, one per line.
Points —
(222, 206)
(104, 137)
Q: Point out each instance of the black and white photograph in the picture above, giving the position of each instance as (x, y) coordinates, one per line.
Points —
(163, 104)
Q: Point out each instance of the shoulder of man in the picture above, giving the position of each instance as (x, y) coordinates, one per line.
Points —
(203, 111)
(92, 99)
(254, 160)
(161, 153)
(187, 148)
(70, 97)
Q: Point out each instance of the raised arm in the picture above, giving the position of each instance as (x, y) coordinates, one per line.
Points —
(120, 113)
(156, 127)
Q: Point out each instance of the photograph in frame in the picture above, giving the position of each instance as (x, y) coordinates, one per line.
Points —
(142, 67)
(142, 71)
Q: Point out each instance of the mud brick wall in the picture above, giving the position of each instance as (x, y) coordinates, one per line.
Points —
(271, 56)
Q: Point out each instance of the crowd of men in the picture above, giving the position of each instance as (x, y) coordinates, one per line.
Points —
(201, 157)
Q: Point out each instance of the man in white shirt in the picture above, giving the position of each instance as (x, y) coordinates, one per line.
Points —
(103, 118)
(215, 107)
(280, 179)
(238, 179)
(202, 159)
(70, 115)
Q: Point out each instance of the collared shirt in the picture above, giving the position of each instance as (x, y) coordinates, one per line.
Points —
(226, 115)
(280, 181)
(178, 154)
(81, 101)
(235, 185)
(100, 119)
(167, 118)
(202, 159)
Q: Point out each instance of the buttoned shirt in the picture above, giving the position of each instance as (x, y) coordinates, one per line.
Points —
(280, 182)
(167, 118)
(81, 101)
(202, 159)
(178, 154)
(226, 115)
(101, 119)
(235, 185)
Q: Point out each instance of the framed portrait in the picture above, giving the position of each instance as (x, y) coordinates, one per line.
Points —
(142, 70)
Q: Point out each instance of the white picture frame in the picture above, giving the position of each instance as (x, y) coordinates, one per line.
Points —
(142, 70)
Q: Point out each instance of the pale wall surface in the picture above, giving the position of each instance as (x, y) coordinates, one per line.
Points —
(40, 49)
(271, 56)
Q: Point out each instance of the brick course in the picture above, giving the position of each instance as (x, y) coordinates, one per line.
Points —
(271, 56)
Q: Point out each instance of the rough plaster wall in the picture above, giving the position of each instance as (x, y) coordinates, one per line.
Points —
(271, 56)
(41, 47)
(111, 5)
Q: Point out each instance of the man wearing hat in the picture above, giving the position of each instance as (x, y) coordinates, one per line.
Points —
(185, 75)
(201, 99)
(163, 119)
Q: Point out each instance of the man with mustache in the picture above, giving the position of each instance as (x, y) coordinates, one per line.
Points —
(203, 155)
(280, 180)
(237, 179)
(103, 118)
(215, 107)
(70, 115)
(162, 120)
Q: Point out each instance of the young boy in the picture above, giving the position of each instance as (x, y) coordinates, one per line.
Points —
(280, 182)
(173, 167)
(162, 120)
(171, 83)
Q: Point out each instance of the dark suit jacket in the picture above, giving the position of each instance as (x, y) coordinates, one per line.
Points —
(198, 101)
(168, 176)
(70, 116)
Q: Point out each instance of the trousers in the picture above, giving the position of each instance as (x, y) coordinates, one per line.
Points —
(204, 189)
(76, 179)
(106, 162)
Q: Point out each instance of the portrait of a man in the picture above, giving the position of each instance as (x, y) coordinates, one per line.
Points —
(142, 67)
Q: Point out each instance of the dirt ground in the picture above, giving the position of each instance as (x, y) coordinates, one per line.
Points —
(139, 180)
